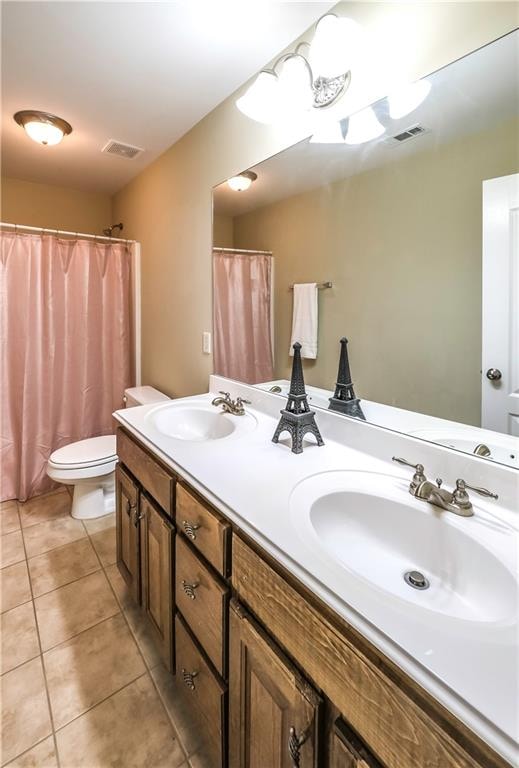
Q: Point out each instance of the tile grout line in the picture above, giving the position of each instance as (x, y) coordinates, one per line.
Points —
(146, 665)
(51, 717)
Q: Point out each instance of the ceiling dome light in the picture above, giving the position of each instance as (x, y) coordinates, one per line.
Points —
(363, 126)
(335, 46)
(242, 181)
(43, 127)
(407, 98)
(261, 100)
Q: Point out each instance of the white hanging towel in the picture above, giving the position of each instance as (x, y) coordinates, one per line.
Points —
(305, 319)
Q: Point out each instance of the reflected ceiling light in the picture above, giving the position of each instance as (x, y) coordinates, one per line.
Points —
(363, 126)
(242, 181)
(297, 83)
(43, 127)
(329, 133)
(335, 45)
(407, 98)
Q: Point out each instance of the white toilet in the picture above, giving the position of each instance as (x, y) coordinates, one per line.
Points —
(89, 465)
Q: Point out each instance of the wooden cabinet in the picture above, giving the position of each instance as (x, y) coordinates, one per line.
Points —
(156, 534)
(127, 531)
(274, 713)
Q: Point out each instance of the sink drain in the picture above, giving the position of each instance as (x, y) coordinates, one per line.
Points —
(416, 580)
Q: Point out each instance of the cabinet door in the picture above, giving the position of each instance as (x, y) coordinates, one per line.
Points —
(274, 712)
(157, 575)
(346, 750)
(127, 531)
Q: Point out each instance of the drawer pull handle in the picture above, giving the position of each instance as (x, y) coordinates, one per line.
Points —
(189, 679)
(189, 588)
(190, 529)
(295, 742)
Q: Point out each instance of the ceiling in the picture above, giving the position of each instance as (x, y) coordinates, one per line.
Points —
(142, 73)
(471, 95)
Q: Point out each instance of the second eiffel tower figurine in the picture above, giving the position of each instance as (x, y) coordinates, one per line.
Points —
(296, 416)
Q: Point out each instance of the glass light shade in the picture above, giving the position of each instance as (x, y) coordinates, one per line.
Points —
(407, 98)
(334, 47)
(261, 102)
(239, 183)
(363, 126)
(43, 133)
(328, 133)
(295, 90)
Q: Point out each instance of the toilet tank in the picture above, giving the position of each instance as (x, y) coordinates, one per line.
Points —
(142, 396)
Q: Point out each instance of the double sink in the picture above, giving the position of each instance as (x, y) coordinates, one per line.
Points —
(367, 523)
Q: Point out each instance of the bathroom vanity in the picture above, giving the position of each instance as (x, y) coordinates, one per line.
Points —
(282, 653)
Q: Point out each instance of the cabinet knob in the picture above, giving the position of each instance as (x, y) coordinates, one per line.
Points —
(190, 529)
(189, 679)
(494, 374)
(189, 588)
(139, 514)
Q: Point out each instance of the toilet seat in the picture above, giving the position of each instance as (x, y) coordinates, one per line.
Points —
(85, 454)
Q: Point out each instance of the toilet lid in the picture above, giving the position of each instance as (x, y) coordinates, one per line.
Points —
(86, 453)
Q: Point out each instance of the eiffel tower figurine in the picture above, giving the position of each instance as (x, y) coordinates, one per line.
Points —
(296, 416)
(344, 400)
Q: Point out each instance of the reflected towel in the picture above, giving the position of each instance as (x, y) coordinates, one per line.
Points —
(304, 319)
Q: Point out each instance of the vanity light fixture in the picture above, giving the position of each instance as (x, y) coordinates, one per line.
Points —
(363, 126)
(407, 98)
(242, 181)
(43, 127)
(298, 83)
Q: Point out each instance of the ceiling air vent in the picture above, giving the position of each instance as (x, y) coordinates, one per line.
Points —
(119, 149)
(409, 133)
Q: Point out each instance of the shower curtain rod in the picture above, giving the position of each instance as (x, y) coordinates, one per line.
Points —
(240, 250)
(57, 232)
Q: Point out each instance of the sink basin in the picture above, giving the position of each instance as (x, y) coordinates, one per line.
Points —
(197, 423)
(370, 526)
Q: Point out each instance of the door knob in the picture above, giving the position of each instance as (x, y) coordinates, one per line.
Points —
(494, 374)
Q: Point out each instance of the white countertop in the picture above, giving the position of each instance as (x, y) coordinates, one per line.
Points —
(470, 667)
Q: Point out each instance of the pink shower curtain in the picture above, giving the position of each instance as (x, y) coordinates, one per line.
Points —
(242, 323)
(65, 349)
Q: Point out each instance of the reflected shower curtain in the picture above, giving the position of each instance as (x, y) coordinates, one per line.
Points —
(65, 351)
(242, 322)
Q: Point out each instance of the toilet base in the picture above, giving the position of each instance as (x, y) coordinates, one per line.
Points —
(94, 499)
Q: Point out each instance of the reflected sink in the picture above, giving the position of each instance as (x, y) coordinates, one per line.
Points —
(503, 448)
(369, 525)
(198, 423)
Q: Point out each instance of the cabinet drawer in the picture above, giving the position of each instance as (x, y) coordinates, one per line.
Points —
(202, 699)
(148, 472)
(202, 601)
(205, 529)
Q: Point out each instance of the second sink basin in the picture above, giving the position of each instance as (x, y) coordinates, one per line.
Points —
(198, 422)
(368, 524)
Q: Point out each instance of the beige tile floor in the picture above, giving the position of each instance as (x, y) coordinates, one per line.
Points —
(82, 685)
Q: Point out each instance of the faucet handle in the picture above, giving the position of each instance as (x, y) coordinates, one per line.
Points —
(227, 395)
(461, 485)
(242, 401)
(419, 475)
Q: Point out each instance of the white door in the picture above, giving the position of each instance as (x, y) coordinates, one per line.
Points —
(500, 373)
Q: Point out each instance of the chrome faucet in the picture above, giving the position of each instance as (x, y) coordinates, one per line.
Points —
(457, 501)
(234, 407)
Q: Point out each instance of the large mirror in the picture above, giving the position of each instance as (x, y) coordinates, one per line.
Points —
(412, 240)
